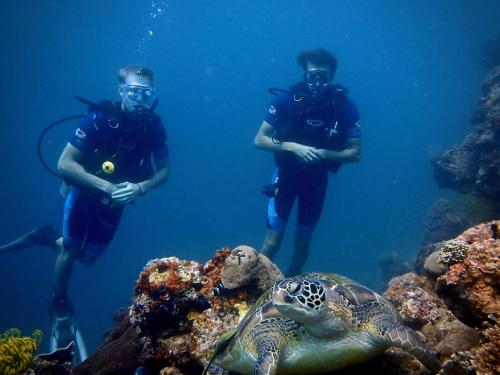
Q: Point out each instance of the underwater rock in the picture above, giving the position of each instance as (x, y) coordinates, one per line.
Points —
(58, 362)
(447, 335)
(433, 264)
(448, 253)
(239, 267)
(483, 359)
(423, 255)
(245, 266)
(414, 298)
(486, 357)
(471, 288)
(118, 356)
(474, 165)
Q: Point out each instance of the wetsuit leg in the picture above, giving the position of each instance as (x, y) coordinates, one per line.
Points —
(311, 197)
(278, 210)
(279, 206)
(89, 225)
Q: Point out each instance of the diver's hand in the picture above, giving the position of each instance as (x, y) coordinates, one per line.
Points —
(126, 192)
(306, 154)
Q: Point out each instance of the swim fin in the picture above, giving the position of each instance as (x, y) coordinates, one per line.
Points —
(65, 332)
(43, 236)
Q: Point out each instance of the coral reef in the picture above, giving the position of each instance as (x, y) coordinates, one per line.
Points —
(471, 288)
(474, 166)
(17, 352)
(180, 309)
(414, 298)
(176, 318)
(166, 290)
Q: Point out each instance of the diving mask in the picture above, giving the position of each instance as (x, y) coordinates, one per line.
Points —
(145, 94)
(317, 77)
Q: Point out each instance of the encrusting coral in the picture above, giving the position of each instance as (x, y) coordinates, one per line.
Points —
(453, 251)
(17, 352)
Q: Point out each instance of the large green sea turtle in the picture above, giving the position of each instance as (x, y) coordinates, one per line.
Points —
(316, 323)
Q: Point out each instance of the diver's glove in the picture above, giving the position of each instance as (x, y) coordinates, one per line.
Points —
(127, 192)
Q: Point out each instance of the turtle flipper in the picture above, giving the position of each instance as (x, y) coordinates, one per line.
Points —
(267, 363)
(269, 338)
(407, 339)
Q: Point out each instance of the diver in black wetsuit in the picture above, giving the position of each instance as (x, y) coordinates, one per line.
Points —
(312, 130)
(118, 153)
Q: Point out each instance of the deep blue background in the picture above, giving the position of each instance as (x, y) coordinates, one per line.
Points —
(410, 66)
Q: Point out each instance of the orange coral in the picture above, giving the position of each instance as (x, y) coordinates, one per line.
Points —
(475, 283)
(213, 269)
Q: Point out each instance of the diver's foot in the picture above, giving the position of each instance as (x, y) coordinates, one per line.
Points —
(63, 331)
(63, 328)
(43, 236)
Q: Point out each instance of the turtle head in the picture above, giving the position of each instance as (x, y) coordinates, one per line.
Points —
(299, 298)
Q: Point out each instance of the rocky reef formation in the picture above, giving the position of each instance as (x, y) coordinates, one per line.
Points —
(473, 167)
(179, 310)
(471, 285)
(456, 300)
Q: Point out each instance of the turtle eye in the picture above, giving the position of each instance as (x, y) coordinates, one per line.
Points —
(293, 288)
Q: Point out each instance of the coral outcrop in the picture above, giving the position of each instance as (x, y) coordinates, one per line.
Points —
(180, 308)
(58, 362)
(178, 312)
(471, 288)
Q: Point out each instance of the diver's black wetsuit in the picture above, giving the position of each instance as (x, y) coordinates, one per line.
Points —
(327, 124)
(90, 217)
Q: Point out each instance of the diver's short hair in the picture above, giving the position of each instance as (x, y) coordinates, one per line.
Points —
(317, 56)
(139, 70)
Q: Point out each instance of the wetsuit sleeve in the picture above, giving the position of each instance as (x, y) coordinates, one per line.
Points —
(160, 145)
(278, 109)
(84, 136)
(353, 128)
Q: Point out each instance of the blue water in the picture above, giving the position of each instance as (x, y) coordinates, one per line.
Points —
(410, 66)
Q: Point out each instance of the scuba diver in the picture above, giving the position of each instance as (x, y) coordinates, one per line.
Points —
(312, 129)
(117, 154)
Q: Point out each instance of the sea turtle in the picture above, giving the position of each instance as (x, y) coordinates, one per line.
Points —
(316, 323)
